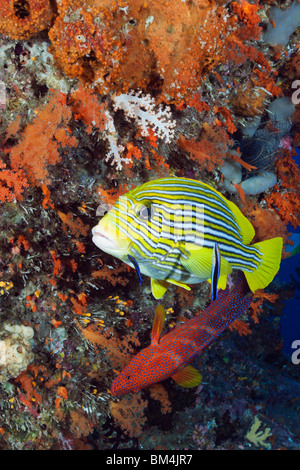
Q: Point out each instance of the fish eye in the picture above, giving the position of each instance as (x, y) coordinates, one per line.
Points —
(143, 212)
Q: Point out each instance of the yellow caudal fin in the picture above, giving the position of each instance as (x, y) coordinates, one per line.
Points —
(269, 265)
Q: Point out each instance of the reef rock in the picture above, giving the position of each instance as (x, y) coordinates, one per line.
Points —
(15, 350)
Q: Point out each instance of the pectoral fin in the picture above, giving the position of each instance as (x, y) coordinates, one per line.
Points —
(187, 377)
(198, 261)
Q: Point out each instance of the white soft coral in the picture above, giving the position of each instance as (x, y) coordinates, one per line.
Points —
(115, 152)
(143, 109)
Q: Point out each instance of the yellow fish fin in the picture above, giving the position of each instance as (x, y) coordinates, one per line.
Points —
(271, 251)
(199, 261)
(246, 227)
(225, 267)
(180, 284)
(187, 377)
(158, 323)
(222, 283)
(158, 288)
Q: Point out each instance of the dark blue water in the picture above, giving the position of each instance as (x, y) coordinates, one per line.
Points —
(290, 321)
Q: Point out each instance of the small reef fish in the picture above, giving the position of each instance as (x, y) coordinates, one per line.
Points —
(171, 226)
(215, 272)
(169, 355)
(136, 265)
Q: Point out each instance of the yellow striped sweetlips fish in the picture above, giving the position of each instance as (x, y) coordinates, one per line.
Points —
(170, 229)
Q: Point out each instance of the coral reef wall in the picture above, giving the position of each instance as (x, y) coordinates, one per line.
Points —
(96, 98)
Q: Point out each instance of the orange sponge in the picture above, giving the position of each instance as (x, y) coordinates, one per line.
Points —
(21, 19)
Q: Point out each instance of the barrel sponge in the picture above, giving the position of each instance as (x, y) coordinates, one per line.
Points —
(286, 22)
(21, 19)
(259, 183)
(281, 109)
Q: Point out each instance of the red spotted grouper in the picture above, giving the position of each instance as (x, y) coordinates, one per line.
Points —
(168, 229)
(169, 355)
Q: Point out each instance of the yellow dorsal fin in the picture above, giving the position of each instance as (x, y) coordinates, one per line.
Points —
(158, 288)
(246, 227)
(158, 324)
(180, 284)
(187, 377)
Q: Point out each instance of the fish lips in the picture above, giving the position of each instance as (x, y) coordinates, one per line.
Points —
(105, 242)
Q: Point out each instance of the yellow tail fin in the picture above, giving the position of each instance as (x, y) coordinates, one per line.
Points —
(269, 265)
